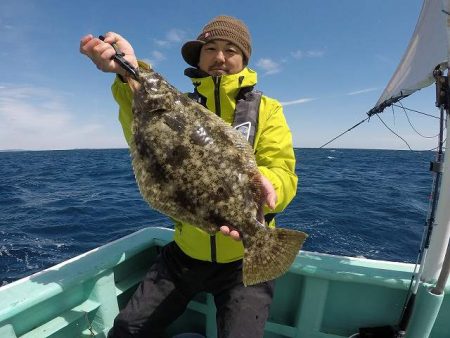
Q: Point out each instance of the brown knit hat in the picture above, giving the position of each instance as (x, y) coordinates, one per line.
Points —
(220, 28)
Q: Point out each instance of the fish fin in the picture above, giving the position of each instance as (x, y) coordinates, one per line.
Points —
(269, 253)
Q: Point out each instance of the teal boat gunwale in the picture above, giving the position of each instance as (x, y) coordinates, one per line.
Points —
(54, 280)
(96, 284)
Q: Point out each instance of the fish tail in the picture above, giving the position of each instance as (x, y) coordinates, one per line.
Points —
(269, 253)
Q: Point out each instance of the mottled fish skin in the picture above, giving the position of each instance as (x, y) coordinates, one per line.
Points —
(192, 166)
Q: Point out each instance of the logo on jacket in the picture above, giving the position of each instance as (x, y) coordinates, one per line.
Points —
(244, 129)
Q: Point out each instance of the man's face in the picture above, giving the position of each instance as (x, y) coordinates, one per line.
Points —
(220, 57)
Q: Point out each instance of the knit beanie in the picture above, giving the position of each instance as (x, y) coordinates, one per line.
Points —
(220, 28)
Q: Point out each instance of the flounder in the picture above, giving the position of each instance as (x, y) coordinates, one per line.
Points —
(194, 167)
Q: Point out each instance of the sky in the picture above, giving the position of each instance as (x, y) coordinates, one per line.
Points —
(326, 61)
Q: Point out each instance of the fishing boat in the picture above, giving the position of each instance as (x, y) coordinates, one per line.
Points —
(321, 296)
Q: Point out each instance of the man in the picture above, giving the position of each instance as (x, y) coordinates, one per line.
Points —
(195, 261)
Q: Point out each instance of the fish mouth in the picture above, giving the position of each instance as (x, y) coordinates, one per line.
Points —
(134, 85)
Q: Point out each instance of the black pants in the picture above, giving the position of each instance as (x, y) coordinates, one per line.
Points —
(174, 280)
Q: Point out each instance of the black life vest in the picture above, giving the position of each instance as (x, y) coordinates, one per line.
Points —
(246, 112)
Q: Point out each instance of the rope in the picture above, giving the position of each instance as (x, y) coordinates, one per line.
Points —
(437, 147)
(377, 114)
(409, 121)
(356, 125)
(416, 111)
(393, 132)
(393, 113)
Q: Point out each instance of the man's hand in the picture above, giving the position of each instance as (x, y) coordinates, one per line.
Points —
(101, 52)
(270, 199)
(229, 231)
(269, 192)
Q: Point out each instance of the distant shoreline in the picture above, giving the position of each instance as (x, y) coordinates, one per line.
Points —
(93, 149)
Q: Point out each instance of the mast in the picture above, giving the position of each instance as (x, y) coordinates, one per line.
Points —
(439, 241)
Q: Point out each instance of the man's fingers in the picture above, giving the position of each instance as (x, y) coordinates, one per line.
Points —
(271, 199)
(111, 37)
(85, 39)
(124, 47)
(235, 235)
(101, 52)
(101, 48)
(86, 44)
(227, 231)
(269, 191)
(89, 46)
(105, 52)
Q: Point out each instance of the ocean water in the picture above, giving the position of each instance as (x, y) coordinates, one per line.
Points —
(55, 205)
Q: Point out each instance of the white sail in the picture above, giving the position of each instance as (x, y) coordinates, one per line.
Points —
(428, 48)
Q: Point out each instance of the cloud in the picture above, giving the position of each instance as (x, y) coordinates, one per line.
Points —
(315, 53)
(161, 43)
(384, 59)
(4, 25)
(155, 58)
(298, 101)
(37, 118)
(268, 66)
(299, 54)
(362, 91)
(173, 36)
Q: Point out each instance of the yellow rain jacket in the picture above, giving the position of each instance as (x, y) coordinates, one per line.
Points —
(273, 150)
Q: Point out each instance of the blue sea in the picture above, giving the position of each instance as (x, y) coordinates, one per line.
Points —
(55, 205)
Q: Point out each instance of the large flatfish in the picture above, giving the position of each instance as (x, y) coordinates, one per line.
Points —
(192, 166)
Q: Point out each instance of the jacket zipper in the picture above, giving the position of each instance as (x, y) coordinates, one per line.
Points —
(217, 94)
(216, 80)
(213, 248)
